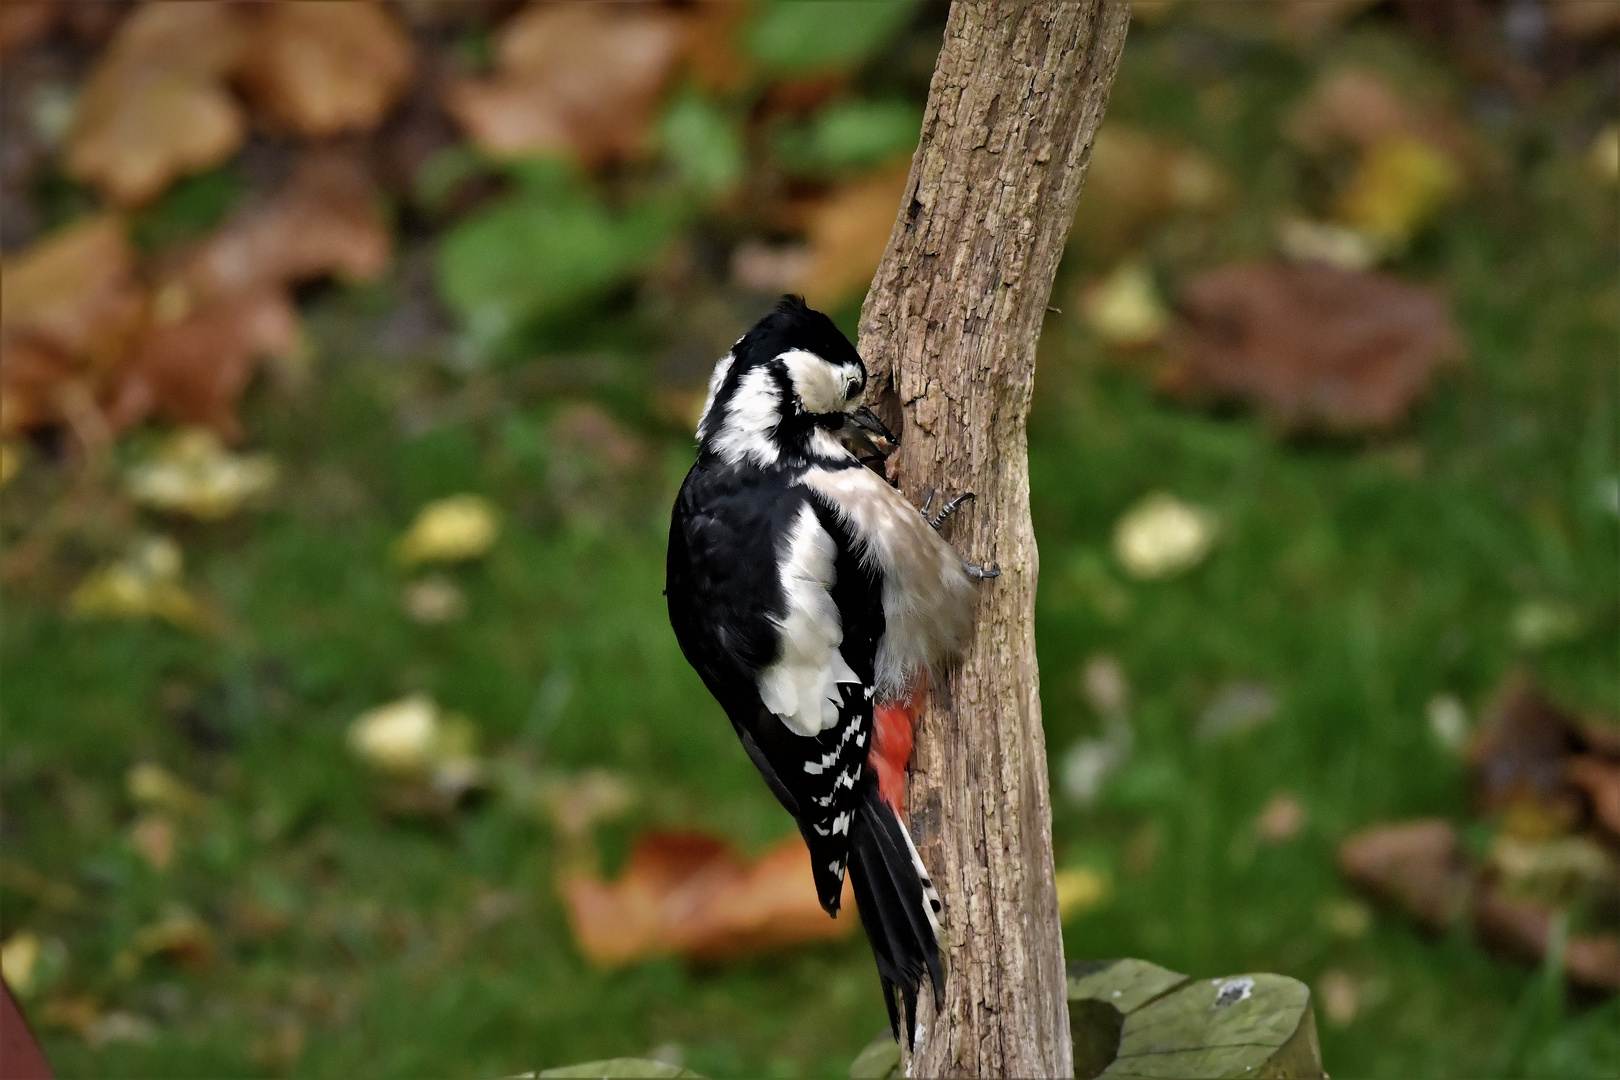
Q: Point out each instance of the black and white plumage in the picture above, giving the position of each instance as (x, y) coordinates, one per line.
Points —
(806, 591)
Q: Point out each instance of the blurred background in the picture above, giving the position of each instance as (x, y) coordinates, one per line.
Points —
(350, 358)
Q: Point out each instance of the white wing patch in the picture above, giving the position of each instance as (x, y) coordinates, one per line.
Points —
(927, 596)
(801, 687)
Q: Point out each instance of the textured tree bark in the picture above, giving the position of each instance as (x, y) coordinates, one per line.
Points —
(951, 323)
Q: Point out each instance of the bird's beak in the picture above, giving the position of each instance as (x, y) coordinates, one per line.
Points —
(866, 418)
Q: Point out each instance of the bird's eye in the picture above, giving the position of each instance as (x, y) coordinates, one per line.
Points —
(851, 388)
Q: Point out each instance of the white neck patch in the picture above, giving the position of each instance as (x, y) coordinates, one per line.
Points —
(721, 370)
(751, 415)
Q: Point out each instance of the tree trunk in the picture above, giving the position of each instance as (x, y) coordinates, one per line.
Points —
(951, 322)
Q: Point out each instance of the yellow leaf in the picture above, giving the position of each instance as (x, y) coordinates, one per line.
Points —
(450, 530)
(144, 584)
(19, 957)
(193, 474)
(1399, 183)
(155, 788)
(1080, 890)
(1162, 536)
(1124, 308)
(400, 737)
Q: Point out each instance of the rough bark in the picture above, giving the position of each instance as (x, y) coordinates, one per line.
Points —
(951, 322)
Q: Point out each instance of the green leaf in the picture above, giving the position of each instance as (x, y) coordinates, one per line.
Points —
(796, 36)
(703, 144)
(619, 1069)
(192, 207)
(851, 134)
(549, 246)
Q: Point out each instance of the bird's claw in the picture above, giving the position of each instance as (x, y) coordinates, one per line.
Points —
(983, 573)
(948, 509)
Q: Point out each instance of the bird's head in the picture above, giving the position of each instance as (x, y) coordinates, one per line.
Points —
(785, 389)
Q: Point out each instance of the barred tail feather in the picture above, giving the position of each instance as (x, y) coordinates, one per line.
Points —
(898, 906)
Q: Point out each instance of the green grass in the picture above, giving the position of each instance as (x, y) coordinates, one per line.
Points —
(1356, 578)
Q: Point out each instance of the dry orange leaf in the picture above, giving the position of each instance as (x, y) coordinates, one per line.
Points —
(692, 895)
(195, 369)
(582, 79)
(321, 68)
(847, 234)
(75, 290)
(1524, 928)
(156, 106)
(67, 310)
(325, 221)
(1416, 866)
(1316, 345)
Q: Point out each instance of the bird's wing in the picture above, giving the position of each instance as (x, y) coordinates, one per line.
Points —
(815, 727)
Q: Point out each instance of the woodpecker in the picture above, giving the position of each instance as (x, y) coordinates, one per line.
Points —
(813, 599)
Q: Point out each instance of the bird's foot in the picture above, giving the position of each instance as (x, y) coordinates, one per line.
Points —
(983, 573)
(948, 509)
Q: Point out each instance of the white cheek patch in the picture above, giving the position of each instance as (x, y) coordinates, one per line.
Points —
(801, 687)
(819, 385)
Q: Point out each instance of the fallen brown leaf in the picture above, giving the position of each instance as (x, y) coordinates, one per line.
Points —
(1415, 866)
(1518, 759)
(156, 106)
(581, 79)
(1317, 346)
(692, 895)
(228, 307)
(76, 289)
(195, 370)
(324, 221)
(68, 308)
(318, 69)
(1524, 928)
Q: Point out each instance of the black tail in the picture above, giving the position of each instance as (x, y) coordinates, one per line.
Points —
(896, 902)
